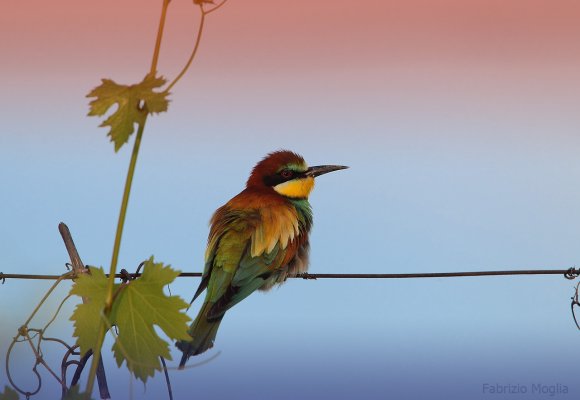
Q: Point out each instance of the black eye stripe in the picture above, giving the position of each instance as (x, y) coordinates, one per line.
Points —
(283, 176)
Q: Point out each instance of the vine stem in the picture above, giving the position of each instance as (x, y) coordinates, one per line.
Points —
(115, 257)
(155, 60)
(123, 211)
(129, 180)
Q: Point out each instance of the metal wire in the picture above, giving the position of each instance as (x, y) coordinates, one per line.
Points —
(570, 273)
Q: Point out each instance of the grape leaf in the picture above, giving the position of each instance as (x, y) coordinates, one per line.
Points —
(8, 394)
(133, 102)
(86, 316)
(140, 306)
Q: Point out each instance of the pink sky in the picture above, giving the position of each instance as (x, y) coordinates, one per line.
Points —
(67, 35)
(420, 58)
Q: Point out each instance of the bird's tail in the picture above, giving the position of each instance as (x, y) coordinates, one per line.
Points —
(202, 332)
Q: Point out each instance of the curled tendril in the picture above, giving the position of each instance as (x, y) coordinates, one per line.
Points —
(574, 303)
(27, 334)
(26, 393)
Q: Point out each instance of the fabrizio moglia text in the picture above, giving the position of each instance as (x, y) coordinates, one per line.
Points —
(534, 388)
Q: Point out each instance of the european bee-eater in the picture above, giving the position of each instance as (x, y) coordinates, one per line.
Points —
(257, 239)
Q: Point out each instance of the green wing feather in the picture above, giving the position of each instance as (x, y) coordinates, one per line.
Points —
(231, 273)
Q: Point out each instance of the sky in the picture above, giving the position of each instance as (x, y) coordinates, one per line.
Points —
(459, 121)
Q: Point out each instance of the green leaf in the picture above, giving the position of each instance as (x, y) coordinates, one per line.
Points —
(138, 307)
(8, 394)
(87, 316)
(133, 102)
(141, 306)
(74, 394)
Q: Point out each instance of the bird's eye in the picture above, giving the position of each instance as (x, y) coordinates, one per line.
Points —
(286, 173)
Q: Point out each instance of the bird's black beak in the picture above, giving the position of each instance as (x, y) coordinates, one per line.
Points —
(323, 169)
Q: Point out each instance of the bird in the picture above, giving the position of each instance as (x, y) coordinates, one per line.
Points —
(257, 240)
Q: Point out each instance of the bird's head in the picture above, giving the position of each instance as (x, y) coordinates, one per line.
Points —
(288, 174)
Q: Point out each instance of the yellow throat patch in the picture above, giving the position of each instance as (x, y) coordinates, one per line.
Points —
(296, 188)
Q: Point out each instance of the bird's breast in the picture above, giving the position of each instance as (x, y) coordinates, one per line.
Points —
(277, 226)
